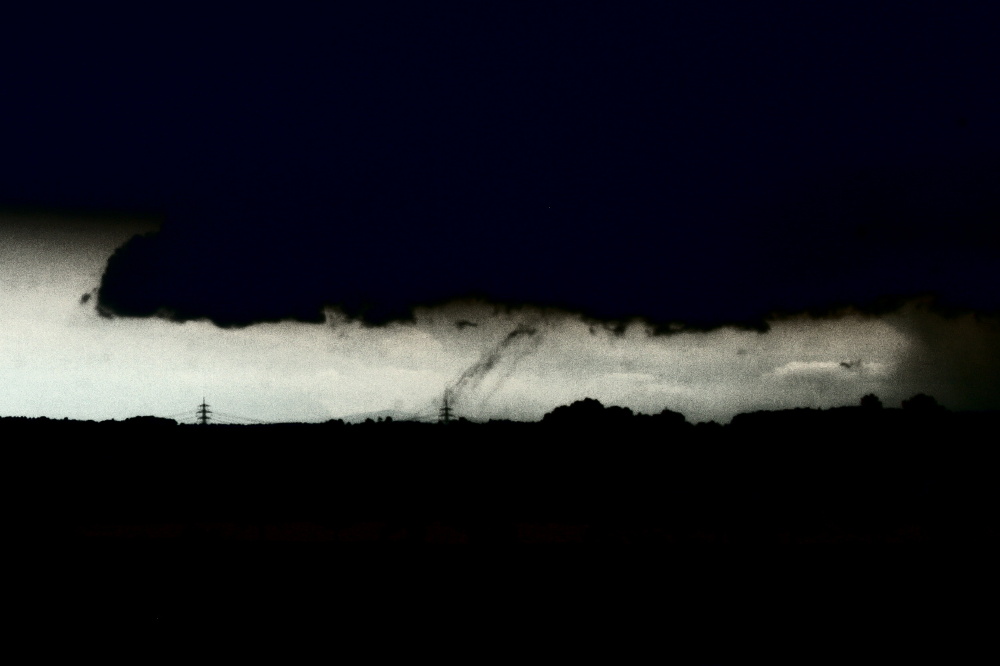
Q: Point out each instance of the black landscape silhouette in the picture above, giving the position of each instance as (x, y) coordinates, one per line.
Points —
(585, 473)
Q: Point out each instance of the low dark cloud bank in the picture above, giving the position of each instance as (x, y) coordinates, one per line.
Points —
(705, 165)
(376, 262)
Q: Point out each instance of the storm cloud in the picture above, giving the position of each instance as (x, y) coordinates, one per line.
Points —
(870, 251)
(618, 164)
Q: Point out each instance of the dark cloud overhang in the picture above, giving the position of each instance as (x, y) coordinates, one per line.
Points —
(231, 291)
(841, 248)
(691, 168)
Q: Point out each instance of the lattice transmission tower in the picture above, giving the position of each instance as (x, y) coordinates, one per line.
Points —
(445, 411)
(204, 414)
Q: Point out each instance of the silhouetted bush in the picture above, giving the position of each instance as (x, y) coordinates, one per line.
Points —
(871, 401)
(922, 403)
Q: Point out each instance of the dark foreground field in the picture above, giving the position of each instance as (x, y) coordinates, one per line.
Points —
(801, 476)
(152, 529)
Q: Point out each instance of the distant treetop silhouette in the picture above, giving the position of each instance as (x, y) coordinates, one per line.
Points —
(922, 403)
(591, 412)
(871, 401)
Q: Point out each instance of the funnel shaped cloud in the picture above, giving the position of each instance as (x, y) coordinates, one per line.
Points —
(514, 347)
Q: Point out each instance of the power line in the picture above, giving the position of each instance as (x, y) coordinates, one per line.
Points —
(203, 415)
(243, 418)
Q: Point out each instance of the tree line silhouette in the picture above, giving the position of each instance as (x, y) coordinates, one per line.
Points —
(585, 472)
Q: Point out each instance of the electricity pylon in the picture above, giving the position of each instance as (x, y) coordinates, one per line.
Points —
(446, 410)
(203, 413)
